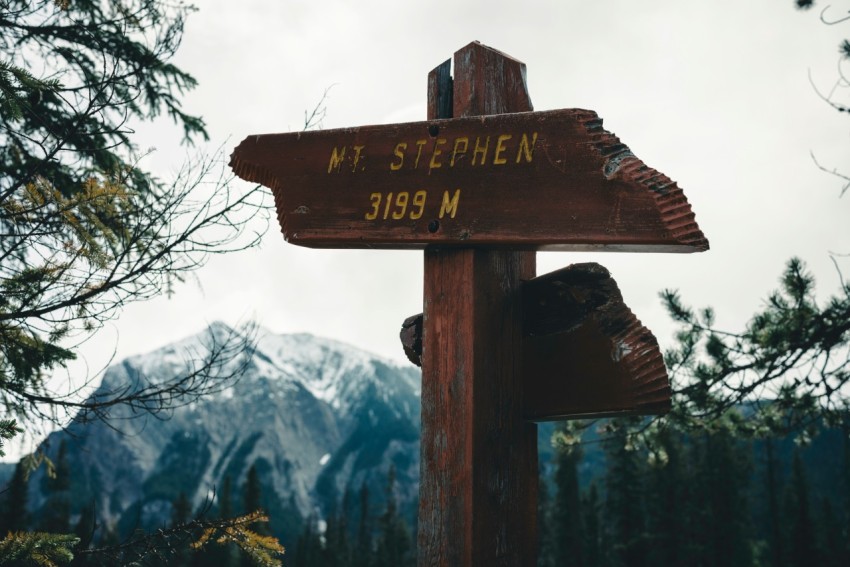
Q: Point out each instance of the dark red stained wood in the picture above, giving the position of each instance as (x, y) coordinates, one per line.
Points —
(478, 478)
(565, 183)
(584, 352)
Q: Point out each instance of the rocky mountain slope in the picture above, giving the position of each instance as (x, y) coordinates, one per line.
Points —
(315, 417)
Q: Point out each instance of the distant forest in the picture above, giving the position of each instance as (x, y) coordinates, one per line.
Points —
(699, 500)
(710, 499)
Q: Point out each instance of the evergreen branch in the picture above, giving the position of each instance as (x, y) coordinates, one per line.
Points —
(37, 548)
(195, 534)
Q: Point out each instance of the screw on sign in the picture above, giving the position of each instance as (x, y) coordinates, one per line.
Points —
(481, 186)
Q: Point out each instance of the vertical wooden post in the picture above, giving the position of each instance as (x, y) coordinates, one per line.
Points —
(478, 492)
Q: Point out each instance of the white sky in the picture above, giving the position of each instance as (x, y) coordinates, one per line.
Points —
(714, 94)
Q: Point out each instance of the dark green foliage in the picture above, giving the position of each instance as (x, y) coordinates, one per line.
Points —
(567, 517)
(85, 530)
(224, 555)
(669, 502)
(800, 529)
(21, 549)
(722, 478)
(774, 535)
(89, 101)
(8, 429)
(251, 502)
(182, 510)
(700, 499)
(595, 543)
(253, 491)
(545, 531)
(384, 541)
(13, 513)
(796, 347)
(363, 551)
(309, 550)
(624, 508)
(337, 552)
(85, 230)
(56, 514)
(394, 545)
(831, 549)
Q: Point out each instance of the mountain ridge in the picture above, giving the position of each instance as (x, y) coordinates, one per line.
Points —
(315, 416)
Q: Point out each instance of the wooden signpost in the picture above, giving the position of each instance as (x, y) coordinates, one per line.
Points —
(481, 186)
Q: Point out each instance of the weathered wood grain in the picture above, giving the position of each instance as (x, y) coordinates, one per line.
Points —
(478, 477)
(584, 352)
(553, 180)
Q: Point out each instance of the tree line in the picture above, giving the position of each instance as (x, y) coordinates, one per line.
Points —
(710, 498)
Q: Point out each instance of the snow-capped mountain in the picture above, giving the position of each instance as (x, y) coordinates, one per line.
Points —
(316, 417)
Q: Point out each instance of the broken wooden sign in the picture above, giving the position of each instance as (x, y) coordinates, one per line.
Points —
(553, 180)
(584, 353)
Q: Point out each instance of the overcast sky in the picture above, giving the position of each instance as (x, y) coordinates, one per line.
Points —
(716, 95)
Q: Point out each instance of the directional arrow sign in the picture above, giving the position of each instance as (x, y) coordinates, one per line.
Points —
(551, 180)
(584, 353)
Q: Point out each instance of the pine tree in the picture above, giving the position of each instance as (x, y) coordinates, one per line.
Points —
(363, 554)
(252, 502)
(624, 504)
(181, 510)
(567, 515)
(84, 529)
(85, 229)
(309, 552)
(723, 478)
(394, 542)
(831, 540)
(594, 542)
(15, 516)
(181, 513)
(346, 544)
(56, 516)
(845, 435)
(336, 552)
(24, 549)
(776, 542)
(545, 533)
(802, 548)
(668, 502)
(223, 555)
(253, 492)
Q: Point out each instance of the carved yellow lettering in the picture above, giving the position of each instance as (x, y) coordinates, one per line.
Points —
(357, 150)
(457, 151)
(525, 148)
(434, 164)
(480, 151)
(401, 201)
(376, 206)
(419, 144)
(399, 153)
(337, 157)
(500, 149)
(449, 205)
(419, 202)
(387, 207)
